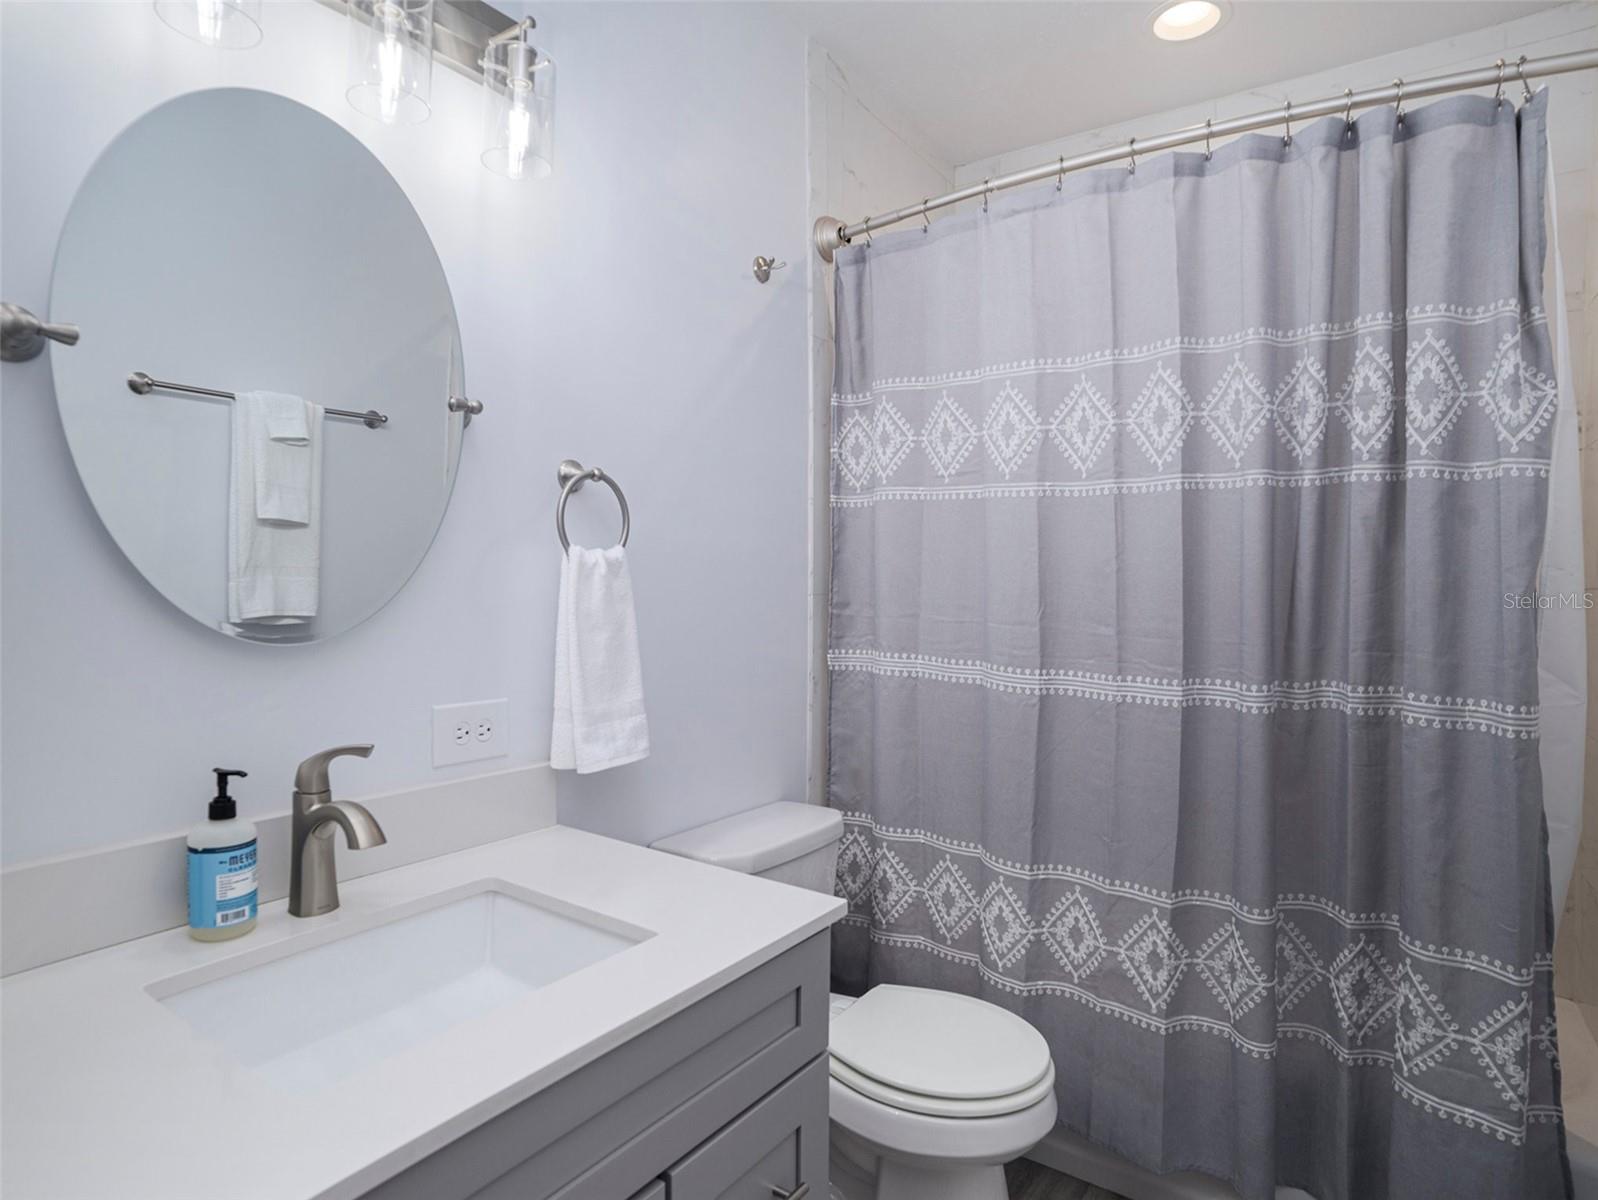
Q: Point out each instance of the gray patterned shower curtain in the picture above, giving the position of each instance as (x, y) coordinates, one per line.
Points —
(1180, 698)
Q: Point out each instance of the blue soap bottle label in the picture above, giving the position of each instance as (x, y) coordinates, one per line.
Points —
(222, 889)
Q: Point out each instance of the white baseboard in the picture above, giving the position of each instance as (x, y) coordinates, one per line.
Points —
(58, 907)
(1073, 1154)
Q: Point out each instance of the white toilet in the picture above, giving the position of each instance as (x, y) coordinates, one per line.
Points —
(932, 1092)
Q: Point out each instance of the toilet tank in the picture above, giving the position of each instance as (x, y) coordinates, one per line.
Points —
(788, 842)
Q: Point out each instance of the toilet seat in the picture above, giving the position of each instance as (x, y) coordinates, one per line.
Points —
(940, 1106)
(920, 1136)
(938, 1052)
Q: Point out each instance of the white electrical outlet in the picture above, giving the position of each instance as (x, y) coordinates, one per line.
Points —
(468, 732)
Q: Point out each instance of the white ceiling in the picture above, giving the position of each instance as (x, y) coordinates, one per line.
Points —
(977, 79)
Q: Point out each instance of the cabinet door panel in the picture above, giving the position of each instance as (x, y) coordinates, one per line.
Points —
(774, 1149)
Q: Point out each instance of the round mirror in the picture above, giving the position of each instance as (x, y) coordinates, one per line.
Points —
(243, 245)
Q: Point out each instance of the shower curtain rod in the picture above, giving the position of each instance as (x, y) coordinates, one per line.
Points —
(830, 233)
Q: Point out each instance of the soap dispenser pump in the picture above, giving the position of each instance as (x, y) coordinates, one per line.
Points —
(222, 889)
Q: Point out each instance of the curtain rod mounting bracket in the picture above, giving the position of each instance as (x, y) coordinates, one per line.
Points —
(829, 237)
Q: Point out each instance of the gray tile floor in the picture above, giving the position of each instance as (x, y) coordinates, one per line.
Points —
(1029, 1181)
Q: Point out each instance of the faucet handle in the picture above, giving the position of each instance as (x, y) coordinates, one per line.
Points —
(312, 773)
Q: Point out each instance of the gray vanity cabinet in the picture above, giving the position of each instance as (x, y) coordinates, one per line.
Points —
(726, 1100)
(770, 1151)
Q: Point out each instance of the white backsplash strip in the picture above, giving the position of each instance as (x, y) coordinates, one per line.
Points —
(58, 907)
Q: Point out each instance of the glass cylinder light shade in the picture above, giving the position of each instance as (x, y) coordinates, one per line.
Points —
(391, 59)
(518, 110)
(231, 24)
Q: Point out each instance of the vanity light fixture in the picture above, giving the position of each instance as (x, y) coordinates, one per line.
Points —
(518, 105)
(391, 59)
(231, 24)
(1184, 20)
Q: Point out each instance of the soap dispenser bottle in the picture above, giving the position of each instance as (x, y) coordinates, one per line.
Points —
(222, 892)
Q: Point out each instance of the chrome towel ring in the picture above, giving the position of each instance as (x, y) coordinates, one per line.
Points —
(571, 475)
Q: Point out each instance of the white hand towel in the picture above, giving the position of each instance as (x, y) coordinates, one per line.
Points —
(599, 684)
(282, 457)
(274, 566)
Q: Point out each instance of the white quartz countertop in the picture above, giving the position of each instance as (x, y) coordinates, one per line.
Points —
(109, 1095)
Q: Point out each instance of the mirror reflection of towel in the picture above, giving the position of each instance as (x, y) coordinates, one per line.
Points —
(283, 459)
(274, 561)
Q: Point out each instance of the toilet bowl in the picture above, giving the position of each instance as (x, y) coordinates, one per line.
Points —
(931, 1092)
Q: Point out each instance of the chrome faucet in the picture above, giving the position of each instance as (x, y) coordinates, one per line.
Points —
(313, 874)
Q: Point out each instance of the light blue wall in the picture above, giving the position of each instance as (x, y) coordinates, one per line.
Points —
(608, 314)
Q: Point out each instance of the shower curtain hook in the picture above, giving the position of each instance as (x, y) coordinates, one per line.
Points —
(985, 190)
(926, 225)
(1399, 108)
(1348, 112)
(1498, 95)
(1131, 149)
(1287, 124)
(1059, 180)
(867, 231)
(1520, 69)
(1209, 128)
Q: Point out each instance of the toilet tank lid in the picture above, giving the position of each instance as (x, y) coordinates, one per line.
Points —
(759, 839)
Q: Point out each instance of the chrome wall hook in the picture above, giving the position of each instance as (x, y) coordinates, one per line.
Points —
(764, 266)
(23, 335)
(1287, 124)
(1131, 150)
(1209, 131)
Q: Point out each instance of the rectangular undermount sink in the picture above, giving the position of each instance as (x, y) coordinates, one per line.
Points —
(324, 1005)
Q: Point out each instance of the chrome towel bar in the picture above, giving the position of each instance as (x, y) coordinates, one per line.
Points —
(142, 384)
(571, 475)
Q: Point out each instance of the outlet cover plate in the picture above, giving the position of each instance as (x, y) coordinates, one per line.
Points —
(468, 732)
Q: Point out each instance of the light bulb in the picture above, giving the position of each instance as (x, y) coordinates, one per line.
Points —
(229, 24)
(391, 59)
(518, 106)
(518, 131)
(208, 17)
(390, 66)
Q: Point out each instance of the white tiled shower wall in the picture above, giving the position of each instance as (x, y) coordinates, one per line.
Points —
(862, 161)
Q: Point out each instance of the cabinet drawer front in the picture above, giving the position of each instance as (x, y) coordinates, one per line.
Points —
(774, 1149)
(615, 1124)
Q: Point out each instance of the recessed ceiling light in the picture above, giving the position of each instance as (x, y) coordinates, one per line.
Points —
(1184, 20)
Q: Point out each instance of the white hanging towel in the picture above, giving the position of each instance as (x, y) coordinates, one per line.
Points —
(274, 511)
(599, 684)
